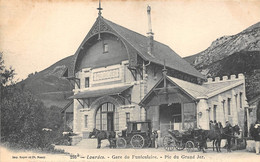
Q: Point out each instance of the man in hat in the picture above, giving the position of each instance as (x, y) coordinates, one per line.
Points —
(228, 124)
(255, 133)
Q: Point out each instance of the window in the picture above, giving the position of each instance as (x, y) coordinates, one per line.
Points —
(215, 112)
(236, 100)
(105, 48)
(86, 82)
(240, 99)
(86, 121)
(224, 109)
(229, 106)
(127, 116)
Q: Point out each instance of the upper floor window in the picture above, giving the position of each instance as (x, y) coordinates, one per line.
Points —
(86, 82)
(105, 48)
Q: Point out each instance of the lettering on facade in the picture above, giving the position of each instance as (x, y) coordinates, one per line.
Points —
(106, 74)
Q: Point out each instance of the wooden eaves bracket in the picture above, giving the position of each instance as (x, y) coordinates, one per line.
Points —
(82, 104)
(75, 81)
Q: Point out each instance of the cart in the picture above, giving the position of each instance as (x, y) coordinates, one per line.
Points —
(137, 134)
(175, 139)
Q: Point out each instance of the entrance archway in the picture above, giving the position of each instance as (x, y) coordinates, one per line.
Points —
(107, 117)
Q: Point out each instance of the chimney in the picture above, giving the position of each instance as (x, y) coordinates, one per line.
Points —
(150, 33)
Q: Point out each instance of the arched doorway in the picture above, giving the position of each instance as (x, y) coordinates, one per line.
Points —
(107, 117)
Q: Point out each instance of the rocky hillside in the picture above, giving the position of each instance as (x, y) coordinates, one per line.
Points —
(247, 40)
(48, 85)
(234, 54)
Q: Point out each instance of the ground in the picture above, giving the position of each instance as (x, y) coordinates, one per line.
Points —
(83, 152)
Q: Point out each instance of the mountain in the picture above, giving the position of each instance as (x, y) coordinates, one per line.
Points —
(233, 54)
(48, 84)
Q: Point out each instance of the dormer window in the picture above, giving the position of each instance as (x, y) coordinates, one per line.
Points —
(105, 48)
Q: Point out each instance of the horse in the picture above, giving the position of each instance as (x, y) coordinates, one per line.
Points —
(101, 135)
(214, 134)
(228, 134)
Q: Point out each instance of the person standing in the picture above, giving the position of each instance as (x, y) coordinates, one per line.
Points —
(255, 133)
(155, 139)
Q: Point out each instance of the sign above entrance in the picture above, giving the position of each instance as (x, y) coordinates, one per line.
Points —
(105, 75)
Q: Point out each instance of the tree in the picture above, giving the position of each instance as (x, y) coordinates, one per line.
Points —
(6, 75)
(22, 116)
(22, 119)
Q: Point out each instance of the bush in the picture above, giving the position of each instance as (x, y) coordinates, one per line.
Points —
(22, 119)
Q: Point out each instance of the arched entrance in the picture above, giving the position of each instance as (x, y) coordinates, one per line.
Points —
(107, 117)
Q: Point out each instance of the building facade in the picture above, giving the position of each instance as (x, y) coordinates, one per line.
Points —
(120, 75)
(179, 105)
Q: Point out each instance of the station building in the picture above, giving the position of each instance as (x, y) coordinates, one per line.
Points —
(120, 75)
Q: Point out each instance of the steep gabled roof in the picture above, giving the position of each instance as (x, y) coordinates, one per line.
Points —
(138, 41)
(160, 52)
(193, 91)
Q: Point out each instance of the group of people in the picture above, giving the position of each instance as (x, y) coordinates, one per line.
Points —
(213, 124)
(255, 133)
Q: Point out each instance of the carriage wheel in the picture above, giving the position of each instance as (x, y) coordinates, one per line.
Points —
(168, 143)
(121, 143)
(179, 145)
(189, 146)
(137, 141)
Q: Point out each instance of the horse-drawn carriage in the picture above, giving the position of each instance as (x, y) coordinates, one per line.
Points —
(188, 139)
(197, 138)
(138, 134)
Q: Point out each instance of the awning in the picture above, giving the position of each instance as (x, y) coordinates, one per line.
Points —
(100, 92)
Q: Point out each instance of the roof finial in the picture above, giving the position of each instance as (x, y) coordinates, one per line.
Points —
(99, 8)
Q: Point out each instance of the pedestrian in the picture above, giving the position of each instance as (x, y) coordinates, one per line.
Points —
(255, 133)
(228, 124)
(155, 138)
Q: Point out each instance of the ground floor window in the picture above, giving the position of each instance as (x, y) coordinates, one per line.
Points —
(215, 112)
(127, 116)
(86, 121)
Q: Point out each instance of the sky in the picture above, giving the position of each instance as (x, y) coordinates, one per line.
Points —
(35, 34)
